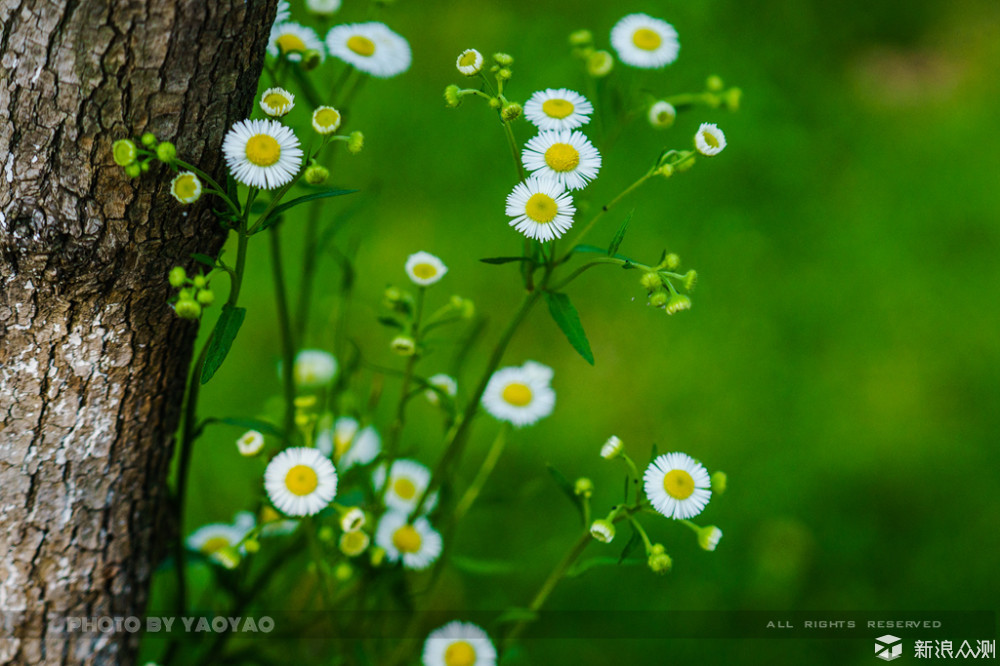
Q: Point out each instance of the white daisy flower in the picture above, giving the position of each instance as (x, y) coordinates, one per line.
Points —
(314, 368)
(662, 114)
(709, 537)
(709, 140)
(470, 62)
(612, 448)
(645, 42)
(276, 102)
(210, 540)
(407, 482)
(521, 396)
(186, 187)
(371, 47)
(300, 481)
(558, 109)
(417, 545)
(677, 485)
(283, 13)
(323, 7)
(445, 383)
(292, 40)
(250, 444)
(459, 644)
(424, 268)
(262, 153)
(541, 209)
(348, 443)
(567, 157)
(603, 530)
(326, 119)
(352, 520)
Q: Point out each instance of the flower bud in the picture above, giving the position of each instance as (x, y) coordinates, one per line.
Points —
(377, 556)
(205, 297)
(187, 308)
(677, 303)
(690, 280)
(177, 277)
(662, 115)
(144, 166)
(355, 142)
(311, 59)
(148, 139)
(252, 546)
(403, 345)
(343, 572)
(166, 152)
(495, 103)
(354, 543)
(583, 487)
(612, 448)
(719, 480)
(659, 563)
(603, 530)
(199, 281)
(733, 96)
(316, 174)
(672, 261)
(503, 59)
(325, 534)
(124, 152)
(250, 444)
(511, 112)
(451, 97)
(666, 170)
(504, 74)
(600, 64)
(659, 299)
(651, 281)
(685, 162)
(352, 520)
(581, 38)
(470, 62)
(708, 537)
(714, 83)
(133, 170)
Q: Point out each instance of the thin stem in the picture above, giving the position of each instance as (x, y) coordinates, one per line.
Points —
(485, 470)
(512, 142)
(308, 272)
(287, 342)
(608, 206)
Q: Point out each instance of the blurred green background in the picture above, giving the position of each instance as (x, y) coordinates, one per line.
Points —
(841, 359)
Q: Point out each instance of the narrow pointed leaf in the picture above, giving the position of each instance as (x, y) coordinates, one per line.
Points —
(222, 339)
(503, 260)
(620, 235)
(566, 317)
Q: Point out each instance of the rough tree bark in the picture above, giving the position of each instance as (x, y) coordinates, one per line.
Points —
(92, 360)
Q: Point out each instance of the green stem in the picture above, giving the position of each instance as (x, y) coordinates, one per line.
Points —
(604, 209)
(308, 272)
(287, 342)
(512, 142)
(485, 470)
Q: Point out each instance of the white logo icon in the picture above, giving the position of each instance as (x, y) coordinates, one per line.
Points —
(888, 647)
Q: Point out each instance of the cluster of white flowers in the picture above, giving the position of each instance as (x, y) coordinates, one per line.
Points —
(370, 47)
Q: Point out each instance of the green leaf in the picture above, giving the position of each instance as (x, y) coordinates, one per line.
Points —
(620, 235)
(633, 542)
(583, 566)
(203, 259)
(390, 322)
(591, 249)
(479, 567)
(222, 339)
(566, 317)
(273, 216)
(503, 260)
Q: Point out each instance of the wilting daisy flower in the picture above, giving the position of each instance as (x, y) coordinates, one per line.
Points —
(262, 153)
(709, 140)
(186, 187)
(250, 444)
(709, 537)
(445, 383)
(459, 644)
(558, 109)
(417, 545)
(424, 268)
(323, 7)
(371, 47)
(541, 209)
(567, 157)
(292, 40)
(300, 481)
(352, 520)
(521, 396)
(314, 368)
(470, 62)
(348, 443)
(353, 544)
(644, 41)
(407, 482)
(326, 119)
(677, 485)
(276, 102)
(662, 114)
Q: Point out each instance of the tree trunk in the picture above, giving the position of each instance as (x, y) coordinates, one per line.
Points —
(93, 360)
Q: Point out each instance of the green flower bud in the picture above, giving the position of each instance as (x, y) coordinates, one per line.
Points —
(659, 299)
(205, 297)
(690, 280)
(148, 139)
(343, 571)
(504, 74)
(199, 281)
(177, 277)
(685, 162)
(719, 480)
(133, 170)
(310, 60)
(660, 563)
(316, 174)
(377, 556)
(503, 59)
(708, 537)
(166, 152)
(733, 96)
(600, 64)
(452, 98)
(603, 530)
(511, 112)
(677, 303)
(124, 152)
(583, 487)
(651, 281)
(612, 448)
(355, 142)
(252, 546)
(187, 308)
(671, 261)
(581, 38)
(714, 83)
(144, 166)
(666, 171)
(403, 345)
(325, 533)
(495, 103)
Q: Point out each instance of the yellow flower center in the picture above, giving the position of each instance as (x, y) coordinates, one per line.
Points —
(467, 59)
(460, 653)
(678, 484)
(562, 157)
(710, 139)
(404, 488)
(424, 271)
(289, 43)
(557, 108)
(361, 45)
(646, 39)
(214, 544)
(186, 186)
(516, 394)
(276, 101)
(541, 208)
(353, 543)
(407, 539)
(327, 118)
(263, 150)
(301, 480)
